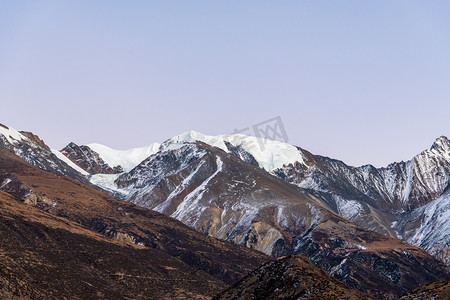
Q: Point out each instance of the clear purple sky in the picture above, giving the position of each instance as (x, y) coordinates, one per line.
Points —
(360, 81)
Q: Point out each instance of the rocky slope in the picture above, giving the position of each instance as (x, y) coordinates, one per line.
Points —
(155, 237)
(293, 277)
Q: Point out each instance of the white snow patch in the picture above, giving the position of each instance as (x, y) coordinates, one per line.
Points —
(62, 157)
(338, 267)
(162, 207)
(281, 218)
(349, 209)
(310, 183)
(315, 215)
(248, 213)
(190, 202)
(269, 154)
(12, 134)
(435, 226)
(127, 159)
(5, 182)
(409, 181)
(106, 181)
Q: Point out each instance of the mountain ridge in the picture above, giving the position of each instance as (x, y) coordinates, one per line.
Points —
(372, 197)
(226, 192)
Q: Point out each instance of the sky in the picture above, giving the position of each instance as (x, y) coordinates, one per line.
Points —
(366, 82)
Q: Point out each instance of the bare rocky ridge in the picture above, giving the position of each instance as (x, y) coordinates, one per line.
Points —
(292, 277)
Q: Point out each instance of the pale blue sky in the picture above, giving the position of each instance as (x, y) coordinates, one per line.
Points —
(358, 81)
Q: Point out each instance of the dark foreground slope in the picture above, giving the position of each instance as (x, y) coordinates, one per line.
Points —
(291, 277)
(59, 235)
(436, 290)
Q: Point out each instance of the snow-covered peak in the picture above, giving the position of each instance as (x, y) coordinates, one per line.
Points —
(11, 134)
(127, 159)
(442, 145)
(269, 154)
(193, 136)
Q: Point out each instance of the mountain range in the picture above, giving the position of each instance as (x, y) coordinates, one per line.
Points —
(366, 227)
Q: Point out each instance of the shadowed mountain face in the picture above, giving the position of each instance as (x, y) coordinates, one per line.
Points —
(53, 222)
(292, 277)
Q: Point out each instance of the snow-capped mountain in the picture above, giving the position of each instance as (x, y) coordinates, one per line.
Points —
(400, 186)
(220, 195)
(33, 150)
(224, 187)
(101, 159)
(371, 197)
(89, 160)
(376, 197)
(102, 164)
(268, 154)
(123, 159)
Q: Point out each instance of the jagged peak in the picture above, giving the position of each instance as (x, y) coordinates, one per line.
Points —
(71, 145)
(442, 144)
(35, 140)
(269, 154)
(11, 134)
